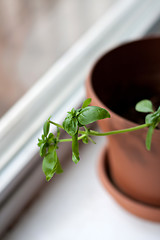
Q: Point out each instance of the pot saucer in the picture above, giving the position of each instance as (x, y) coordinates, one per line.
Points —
(137, 208)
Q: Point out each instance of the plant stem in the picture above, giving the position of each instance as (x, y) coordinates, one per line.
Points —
(95, 133)
(56, 124)
(70, 139)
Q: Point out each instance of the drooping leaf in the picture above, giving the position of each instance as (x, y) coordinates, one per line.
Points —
(149, 137)
(91, 114)
(75, 159)
(46, 127)
(43, 149)
(144, 106)
(58, 167)
(86, 102)
(75, 148)
(49, 164)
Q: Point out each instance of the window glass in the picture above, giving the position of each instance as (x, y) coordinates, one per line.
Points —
(33, 34)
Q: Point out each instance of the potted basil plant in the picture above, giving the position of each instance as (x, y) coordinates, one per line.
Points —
(129, 165)
(75, 125)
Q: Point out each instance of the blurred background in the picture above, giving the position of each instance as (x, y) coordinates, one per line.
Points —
(34, 34)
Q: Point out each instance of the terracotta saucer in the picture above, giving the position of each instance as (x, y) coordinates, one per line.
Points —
(137, 208)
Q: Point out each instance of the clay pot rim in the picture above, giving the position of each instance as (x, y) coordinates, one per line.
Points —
(100, 103)
(137, 208)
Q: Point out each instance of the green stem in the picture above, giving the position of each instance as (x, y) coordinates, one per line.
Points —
(95, 133)
(56, 124)
(70, 139)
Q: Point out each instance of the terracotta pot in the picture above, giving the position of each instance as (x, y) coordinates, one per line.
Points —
(139, 209)
(118, 80)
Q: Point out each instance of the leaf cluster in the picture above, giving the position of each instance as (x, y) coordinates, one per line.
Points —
(74, 120)
(152, 119)
(80, 118)
(48, 145)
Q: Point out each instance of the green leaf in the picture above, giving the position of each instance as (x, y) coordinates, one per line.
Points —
(40, 141)
(43, 137)
(49, 164)
(58, 133)
(58, 167)
(85, 140)
(153, 118)
(51, 139)
(75, 159)
(70, 125)
(144, 106)
(46, 127)
(86, 102)
(91, 140)
(75, 148)
(92, 114)
(149, 119)
(43, 149)
(149, 137)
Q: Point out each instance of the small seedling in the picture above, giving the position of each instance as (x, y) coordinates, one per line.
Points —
(75, 124)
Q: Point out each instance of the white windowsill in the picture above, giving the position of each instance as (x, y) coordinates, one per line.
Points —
(76, 206)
